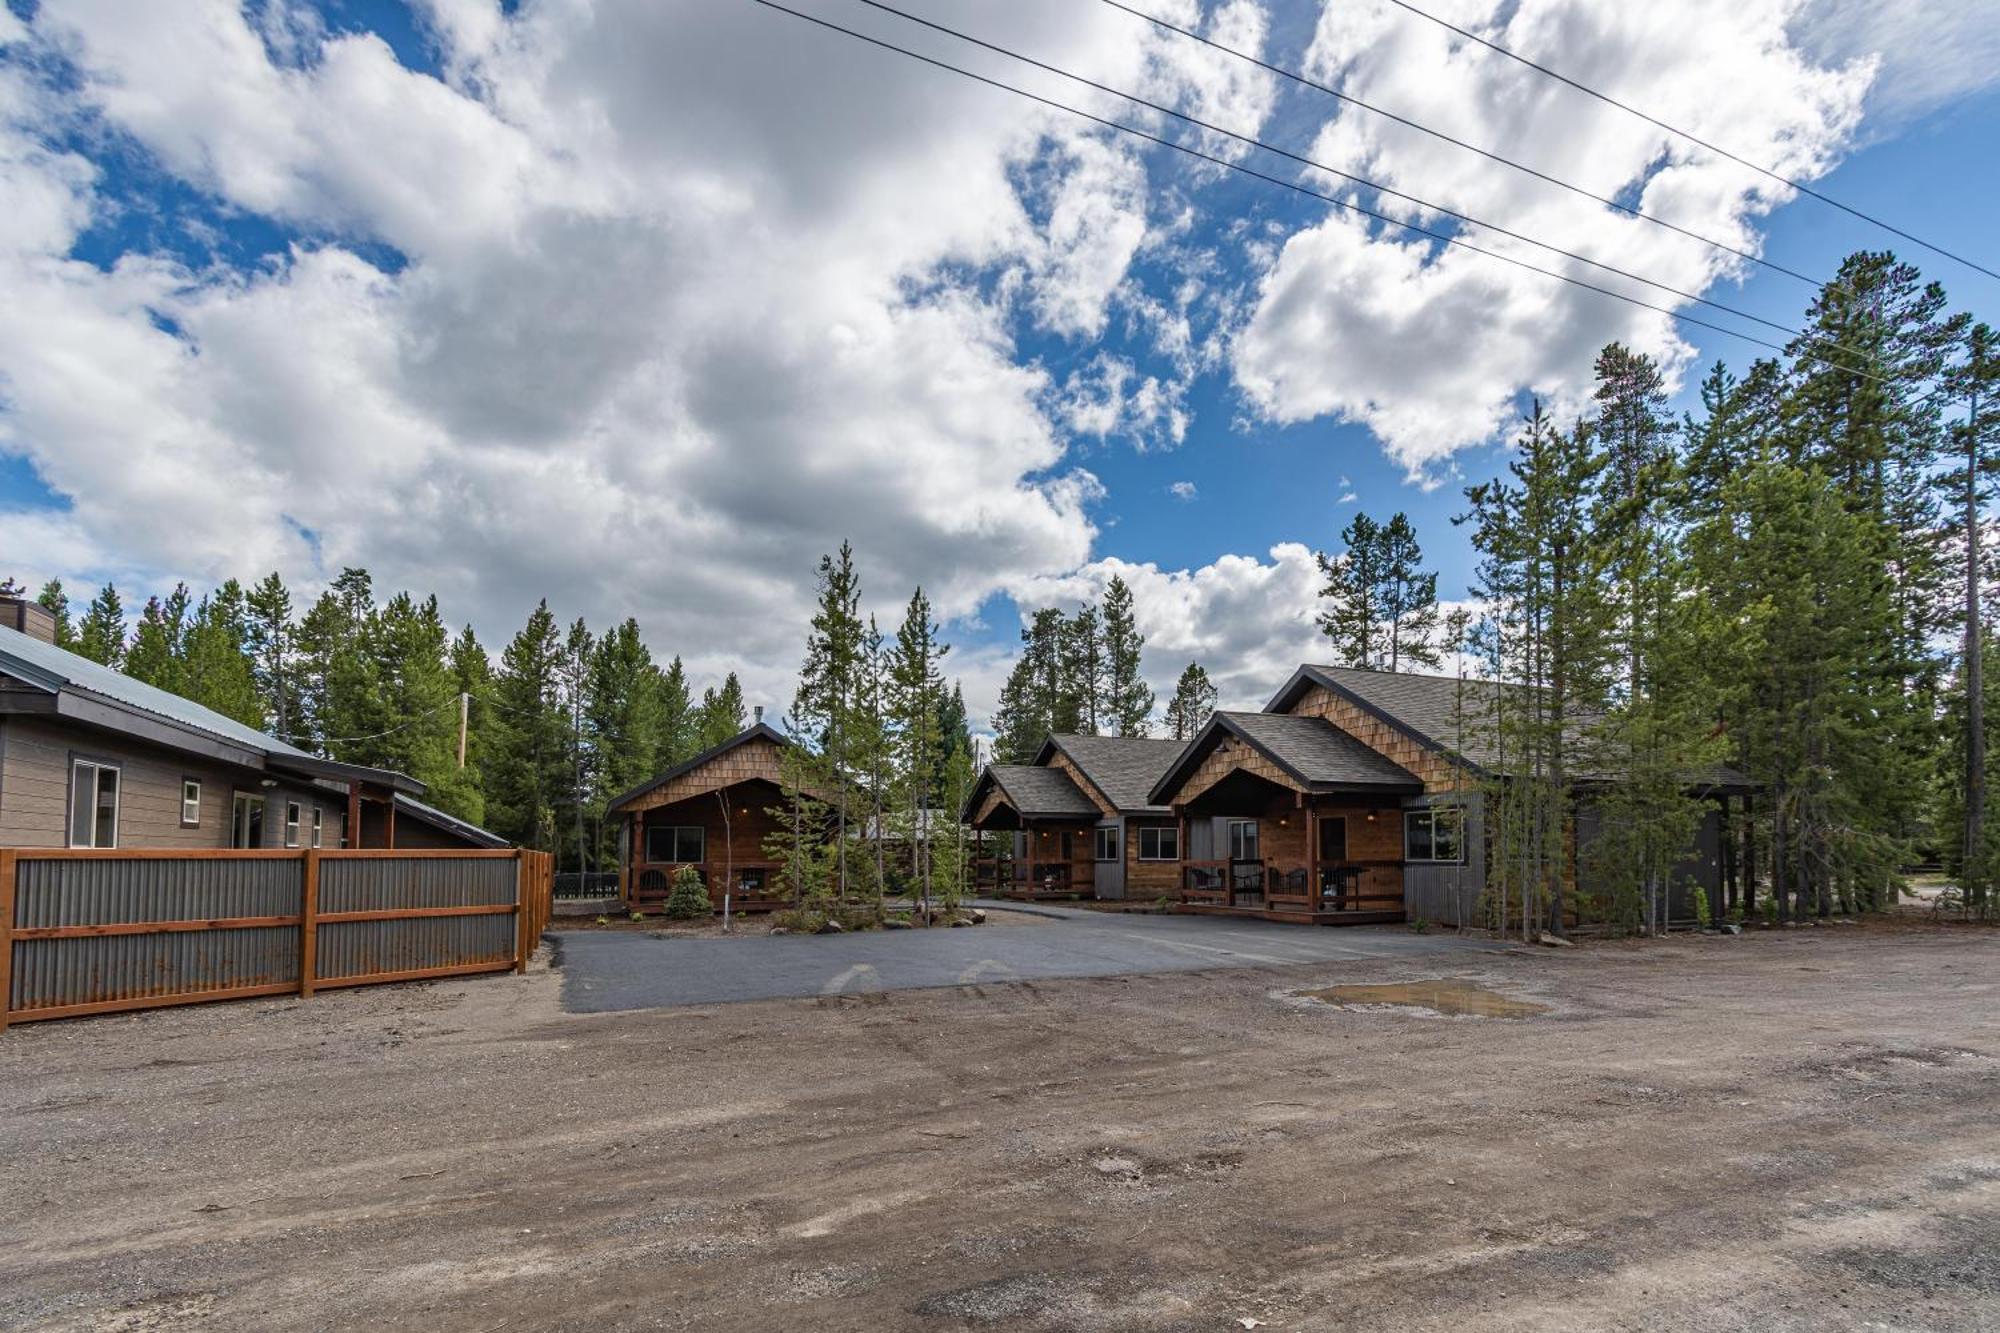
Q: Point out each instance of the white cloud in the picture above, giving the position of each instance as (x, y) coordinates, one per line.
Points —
(1430, 348)
(1925, 55)
(1183, 491)
(661, 339)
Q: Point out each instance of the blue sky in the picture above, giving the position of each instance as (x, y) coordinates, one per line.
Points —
(641, 306)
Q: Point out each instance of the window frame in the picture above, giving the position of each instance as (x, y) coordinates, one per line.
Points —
(318, 825)
(293, 811)
(186, 821)
(1159, 833)
(1097, 843)
(255, 806)
(673, 832)
(97, 767)
(1427, 816)
(1256, 839)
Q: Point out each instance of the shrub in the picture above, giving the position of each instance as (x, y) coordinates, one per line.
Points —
(1419, 926)
(801, 920)
(688, 899)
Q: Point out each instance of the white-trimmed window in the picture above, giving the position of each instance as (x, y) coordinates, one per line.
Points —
(319, 821)
(291, 823)
(675, 844)
(1243, 841)
(93, 803)
(190, 803)
(1159, 843)
(1107, 842)
(1434, 835)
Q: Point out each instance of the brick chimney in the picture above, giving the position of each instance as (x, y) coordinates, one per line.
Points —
(30, 617)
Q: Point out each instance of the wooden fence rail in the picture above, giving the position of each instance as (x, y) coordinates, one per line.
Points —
(92, 932)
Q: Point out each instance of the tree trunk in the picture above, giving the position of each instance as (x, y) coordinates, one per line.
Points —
(1973, 877)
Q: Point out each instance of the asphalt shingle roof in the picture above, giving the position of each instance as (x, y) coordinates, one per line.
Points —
(1124, 768)
(1048, 792)
(1317, 751)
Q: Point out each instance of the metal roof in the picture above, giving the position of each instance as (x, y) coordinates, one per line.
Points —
(430, 814)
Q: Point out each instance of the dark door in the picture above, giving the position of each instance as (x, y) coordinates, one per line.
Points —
(1333, 839)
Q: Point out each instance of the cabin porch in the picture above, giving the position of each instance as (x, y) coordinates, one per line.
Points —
(1047, 860)
(721, 833)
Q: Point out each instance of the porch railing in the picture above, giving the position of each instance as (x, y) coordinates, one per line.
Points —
(1359, 886)
(745, 881)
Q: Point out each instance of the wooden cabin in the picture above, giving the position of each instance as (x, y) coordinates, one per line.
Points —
(713, 812)
(1080, 821)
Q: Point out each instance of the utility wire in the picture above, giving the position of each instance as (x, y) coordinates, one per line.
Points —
(1362, 181)
(1630, 110)
(1486, 153)
(404, 725)
(1297, 188)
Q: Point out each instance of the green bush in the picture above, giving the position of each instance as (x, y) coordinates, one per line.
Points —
(688, 899)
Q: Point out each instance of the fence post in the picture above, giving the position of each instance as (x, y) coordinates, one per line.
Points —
(9, 867)
(521, 922)
(309, 923)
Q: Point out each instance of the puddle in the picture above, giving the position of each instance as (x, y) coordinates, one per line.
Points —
(1453, 998)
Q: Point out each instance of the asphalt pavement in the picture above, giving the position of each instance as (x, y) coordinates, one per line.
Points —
(604, 971)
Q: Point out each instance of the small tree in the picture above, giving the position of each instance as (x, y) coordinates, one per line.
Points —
(688, 899)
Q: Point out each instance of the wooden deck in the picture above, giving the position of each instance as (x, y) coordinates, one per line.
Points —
(1269, 891)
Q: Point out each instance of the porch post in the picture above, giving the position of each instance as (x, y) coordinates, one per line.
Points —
(1312, 850)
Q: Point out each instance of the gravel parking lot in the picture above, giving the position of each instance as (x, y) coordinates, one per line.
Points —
(1779, 1132)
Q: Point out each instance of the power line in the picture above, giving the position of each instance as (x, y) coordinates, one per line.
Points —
(1693, 139)
(1362, 181)
(404, 725)
(1486, 153)
(1297, 188)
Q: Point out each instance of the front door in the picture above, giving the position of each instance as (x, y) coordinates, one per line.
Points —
(1246, 862)
(1108, 874)
(1335, 876)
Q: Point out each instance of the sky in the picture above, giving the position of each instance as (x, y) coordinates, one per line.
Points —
(643, 305)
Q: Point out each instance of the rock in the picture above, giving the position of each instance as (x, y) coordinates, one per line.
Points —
(1115, 1166)
(781, 930)
(831, 927)
(896, 923)
(1553, 941)
(978, 916)
(958, 921)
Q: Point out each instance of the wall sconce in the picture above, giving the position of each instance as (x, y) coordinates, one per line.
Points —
(1371, 816)
(1281, 821)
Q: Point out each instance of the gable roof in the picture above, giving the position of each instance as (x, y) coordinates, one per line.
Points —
(1312, 751)
(1122, 768)
(755, 731)
(1035, 792)
(1447, 714)
(76, 688)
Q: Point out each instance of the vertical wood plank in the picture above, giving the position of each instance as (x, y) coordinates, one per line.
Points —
(309, 922)
(524, 874)
(9, 869)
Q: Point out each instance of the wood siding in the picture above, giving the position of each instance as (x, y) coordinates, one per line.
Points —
(1433, 768)
(741, 838)
(1229, 755)
(35, 757)
(1063, 764)
(754, 760)
(1149, 879)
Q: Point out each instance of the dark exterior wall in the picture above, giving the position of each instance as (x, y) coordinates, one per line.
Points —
(35, 757)
(1448, 895)
(749, 826)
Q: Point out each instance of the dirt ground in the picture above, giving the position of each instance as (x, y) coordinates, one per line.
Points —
(1789, 1131)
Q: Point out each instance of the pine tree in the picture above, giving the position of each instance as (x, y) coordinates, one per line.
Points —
(1352, 617)
(417, 693)
(622, 713)
(101, 636)
(1128, 700)
(674, 736)
(1083, 669)
(55, 601)
(157, 652)
(1975, 380)
(720, 716)
(1194, 699)
(915, 693)
(1407, 597)
(271, 647)
(214, 669)
(526, 773)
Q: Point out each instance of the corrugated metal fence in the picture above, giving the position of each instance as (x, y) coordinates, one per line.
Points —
(89, 932)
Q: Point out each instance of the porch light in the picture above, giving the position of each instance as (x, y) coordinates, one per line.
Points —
(1371, 816)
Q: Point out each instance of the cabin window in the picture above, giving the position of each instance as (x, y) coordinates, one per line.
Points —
(1434, 835)
(1160, 844)
(1243, 844)
(675, 845)
(93, 804)
(291, 823)
(1107, 843)
(190, 803)
(319, 820)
